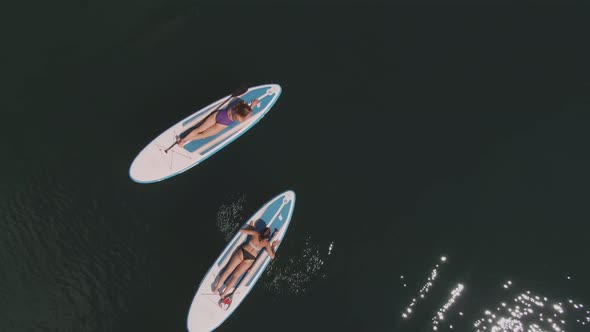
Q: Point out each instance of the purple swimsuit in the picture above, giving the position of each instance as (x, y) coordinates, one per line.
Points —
(222, 117)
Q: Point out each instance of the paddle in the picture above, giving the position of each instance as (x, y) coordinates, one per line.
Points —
(239, 91)
(226, 302)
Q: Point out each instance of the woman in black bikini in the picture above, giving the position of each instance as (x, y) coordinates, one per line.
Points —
(244, 257)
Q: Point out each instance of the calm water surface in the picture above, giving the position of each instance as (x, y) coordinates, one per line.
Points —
(439, 155)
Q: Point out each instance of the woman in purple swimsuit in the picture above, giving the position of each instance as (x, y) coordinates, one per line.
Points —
(244, 257)
(219, 120)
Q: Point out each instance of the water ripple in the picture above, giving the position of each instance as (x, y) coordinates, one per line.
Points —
(230, 216)
(68, 258)
(295, 273)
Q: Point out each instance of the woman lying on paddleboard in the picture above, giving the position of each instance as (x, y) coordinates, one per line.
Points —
(244, 257)
(219, 120)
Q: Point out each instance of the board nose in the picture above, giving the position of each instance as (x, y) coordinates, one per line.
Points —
(289, 196)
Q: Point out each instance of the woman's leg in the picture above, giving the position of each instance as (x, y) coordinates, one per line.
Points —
(236, 259)
(209, 121)
(243, 267)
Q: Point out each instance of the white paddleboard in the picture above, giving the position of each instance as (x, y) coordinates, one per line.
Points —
(205, 314)
(153, 164)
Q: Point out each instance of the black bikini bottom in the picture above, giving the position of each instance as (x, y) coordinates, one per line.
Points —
(247, 255)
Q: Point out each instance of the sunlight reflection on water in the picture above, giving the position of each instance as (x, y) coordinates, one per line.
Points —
(518, 311)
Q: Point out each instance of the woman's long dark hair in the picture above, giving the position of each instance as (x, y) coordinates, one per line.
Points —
(242, 109)
(265, 234)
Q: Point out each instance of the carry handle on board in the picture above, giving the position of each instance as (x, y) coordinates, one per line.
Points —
(226, 302)
(239, 91)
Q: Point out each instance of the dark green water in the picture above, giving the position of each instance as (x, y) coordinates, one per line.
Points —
(408, 132)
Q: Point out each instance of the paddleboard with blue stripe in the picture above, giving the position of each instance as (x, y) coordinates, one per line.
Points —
(154, 164)
(205, 314)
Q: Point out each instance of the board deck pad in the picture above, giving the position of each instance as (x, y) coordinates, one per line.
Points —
(154, 164)
(205, 314)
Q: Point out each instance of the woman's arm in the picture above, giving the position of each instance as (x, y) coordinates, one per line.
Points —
(248, 231)
(270, 248)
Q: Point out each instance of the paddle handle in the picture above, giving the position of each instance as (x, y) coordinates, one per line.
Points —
(170, 147)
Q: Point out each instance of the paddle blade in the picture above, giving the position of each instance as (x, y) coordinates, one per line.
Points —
(240, 91)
